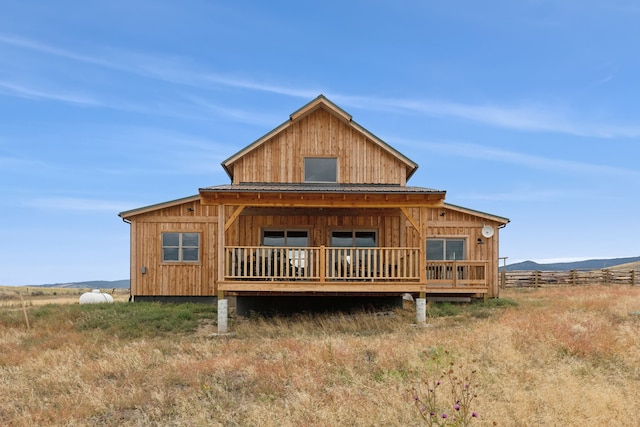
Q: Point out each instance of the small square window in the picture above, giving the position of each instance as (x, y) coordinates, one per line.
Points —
(180, 247)
(321, 169)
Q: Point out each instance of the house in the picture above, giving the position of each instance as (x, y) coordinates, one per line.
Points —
(317, 207)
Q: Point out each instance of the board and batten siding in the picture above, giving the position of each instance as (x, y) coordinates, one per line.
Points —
(246, 230)
(199, 279)
(455, 224)
(173, 279)
(319, 134)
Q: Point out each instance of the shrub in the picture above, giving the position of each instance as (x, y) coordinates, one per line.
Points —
(447, 399)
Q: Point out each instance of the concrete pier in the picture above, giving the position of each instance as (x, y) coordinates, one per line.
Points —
(421, 310)
(223, 312)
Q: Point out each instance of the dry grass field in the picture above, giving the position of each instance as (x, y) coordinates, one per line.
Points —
(541, 357)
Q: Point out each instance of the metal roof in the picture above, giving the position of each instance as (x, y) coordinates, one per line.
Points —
(482, 214)
(321, 188)
(157, 206)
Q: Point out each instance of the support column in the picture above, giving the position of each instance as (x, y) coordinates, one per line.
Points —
(223, 311)
(421, 311)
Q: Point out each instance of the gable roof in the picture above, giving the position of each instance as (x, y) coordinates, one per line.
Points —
(320, 102)
(484, 215)
(158, 206)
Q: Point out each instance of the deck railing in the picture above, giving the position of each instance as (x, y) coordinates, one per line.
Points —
(339, 264)
(321, 263)
(457, 274)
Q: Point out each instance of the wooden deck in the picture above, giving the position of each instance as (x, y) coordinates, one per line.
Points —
(347, 270)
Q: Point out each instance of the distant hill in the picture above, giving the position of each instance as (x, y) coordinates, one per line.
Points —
(591, 264)
(94, 284)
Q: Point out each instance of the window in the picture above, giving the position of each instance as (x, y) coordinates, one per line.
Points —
(320, 169)
(180, 247)
(445, 249)
(288, 261)
(297, 238)
(353, 262)
(350, 239)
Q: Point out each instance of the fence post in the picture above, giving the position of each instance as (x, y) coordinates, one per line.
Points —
(573, 277)
(606, 276)
(535, 280)
(503, 279)
(633, 277)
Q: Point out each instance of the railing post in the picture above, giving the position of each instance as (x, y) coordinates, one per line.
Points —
(323, 263)
(454, 273)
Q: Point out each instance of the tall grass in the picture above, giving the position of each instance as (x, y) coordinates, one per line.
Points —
(541, 357)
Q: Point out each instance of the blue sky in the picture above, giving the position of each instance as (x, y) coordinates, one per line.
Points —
(528, 110)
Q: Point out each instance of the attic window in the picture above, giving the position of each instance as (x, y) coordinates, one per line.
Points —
(320, 169)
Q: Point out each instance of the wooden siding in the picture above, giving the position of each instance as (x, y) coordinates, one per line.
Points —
(320, 223)
(450, 223)
(229, 220)
(320, 134)
(173, 279)
(395, 228)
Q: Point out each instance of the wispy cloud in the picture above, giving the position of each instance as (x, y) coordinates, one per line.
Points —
(33, 93)
(480, 152)
(239, 115)
(524, 116)
(529, 196)
(72, 204)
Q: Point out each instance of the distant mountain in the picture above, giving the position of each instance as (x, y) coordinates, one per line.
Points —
(591, 264)
(93, 284)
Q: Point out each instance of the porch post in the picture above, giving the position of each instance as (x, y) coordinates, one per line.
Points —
(223, 308)
(422, 232)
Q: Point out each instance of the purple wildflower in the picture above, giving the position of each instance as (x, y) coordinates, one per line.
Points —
(456, 407)
(444, 415)
(474, 414)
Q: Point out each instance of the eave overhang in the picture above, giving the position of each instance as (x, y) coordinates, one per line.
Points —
(158, 206)
(322, 196)
(484, 215)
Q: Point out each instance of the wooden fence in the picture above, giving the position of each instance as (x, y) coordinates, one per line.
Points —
(519, 279)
